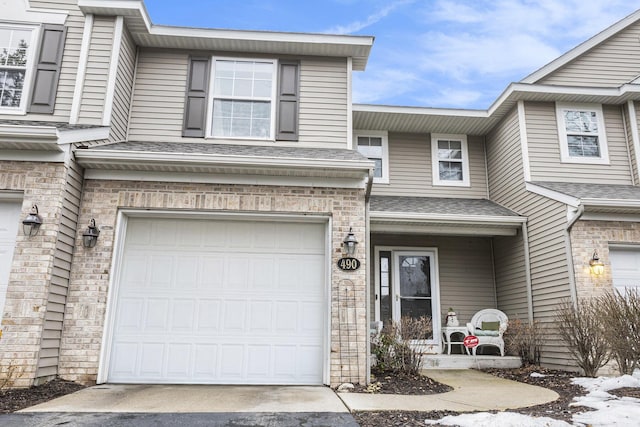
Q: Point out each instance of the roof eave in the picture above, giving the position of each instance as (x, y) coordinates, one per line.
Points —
(118, 157)
(147, 34)
(507, 221)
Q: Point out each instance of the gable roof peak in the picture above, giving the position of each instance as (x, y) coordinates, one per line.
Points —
(582, 48)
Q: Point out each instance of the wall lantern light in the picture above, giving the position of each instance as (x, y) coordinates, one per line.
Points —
(596, 266)
(349, 243)
(90, 235)
(32, 222)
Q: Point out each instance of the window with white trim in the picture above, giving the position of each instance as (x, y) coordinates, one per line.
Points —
(450, 160)
(16, 43)
(374, 145)
(581, 133)
(243, 98)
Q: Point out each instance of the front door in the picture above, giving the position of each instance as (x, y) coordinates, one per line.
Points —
(415, 289)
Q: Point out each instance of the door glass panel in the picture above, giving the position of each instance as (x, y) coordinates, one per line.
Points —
(385, 286)
(415, 276)
(415, 307)
(414, 285)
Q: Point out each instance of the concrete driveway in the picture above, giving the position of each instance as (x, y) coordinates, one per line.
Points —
(188, 405)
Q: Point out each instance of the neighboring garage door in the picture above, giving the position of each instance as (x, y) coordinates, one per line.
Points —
(625, 267)
(9, 221)
(220, 302)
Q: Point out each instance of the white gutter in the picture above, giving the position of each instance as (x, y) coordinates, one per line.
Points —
(40, 132)
(140, 157)
(472, 219)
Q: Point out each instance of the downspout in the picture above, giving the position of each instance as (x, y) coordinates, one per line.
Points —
(569, 251)
(367, 280)
(527, 271)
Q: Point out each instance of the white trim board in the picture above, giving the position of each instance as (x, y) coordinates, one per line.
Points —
(113, 70)
(82, 69)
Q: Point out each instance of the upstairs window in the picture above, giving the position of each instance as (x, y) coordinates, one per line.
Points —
(450, 160)
(374, 146)
(15, 61)
(243, 98)
(581, 133)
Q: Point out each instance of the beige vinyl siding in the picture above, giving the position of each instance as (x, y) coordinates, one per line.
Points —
(610, 64)
(544, 149)
(323, 103)
(158, 101)
(506, 177)
(410, 169)
(123, 88)
(511, 281)
(69, 68)
(467, 289)
(546, 224)
(95, 81)
(48, 357)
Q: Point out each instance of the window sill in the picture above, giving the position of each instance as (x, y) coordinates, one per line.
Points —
(585, 160)
(451, 184)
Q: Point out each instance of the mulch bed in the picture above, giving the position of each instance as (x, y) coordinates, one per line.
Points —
(558, 381)
(15, 399)
(386, 382)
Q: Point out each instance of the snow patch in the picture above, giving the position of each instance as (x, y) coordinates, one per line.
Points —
(486, 419)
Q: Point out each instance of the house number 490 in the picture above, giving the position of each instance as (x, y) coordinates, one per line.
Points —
(348, 264)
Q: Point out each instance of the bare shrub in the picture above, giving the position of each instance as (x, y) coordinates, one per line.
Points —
(397, 347)
(526, 339)
(621, 315)
(582, 329)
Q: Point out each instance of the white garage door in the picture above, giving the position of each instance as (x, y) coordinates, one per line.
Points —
(9, 221)
(220, 302)
(625, 267)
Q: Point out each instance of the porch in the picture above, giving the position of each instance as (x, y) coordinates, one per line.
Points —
(432, 254)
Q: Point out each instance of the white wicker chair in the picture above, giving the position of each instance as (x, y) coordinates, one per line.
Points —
(488, 337)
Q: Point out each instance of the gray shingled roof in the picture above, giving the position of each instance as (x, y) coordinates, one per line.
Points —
(234, 150)
(437, 205)
(593, 191)
(57, 125)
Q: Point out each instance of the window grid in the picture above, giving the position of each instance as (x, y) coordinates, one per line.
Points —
(243, 98)
(450, 160)
(371, 147)
(582, 133)
(14, 54)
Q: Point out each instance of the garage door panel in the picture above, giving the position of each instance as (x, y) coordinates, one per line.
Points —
(220, 302)
(625, 267)
(129, 317)
(211, 272)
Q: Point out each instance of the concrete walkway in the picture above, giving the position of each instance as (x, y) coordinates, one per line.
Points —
(472, 391)
(118, 398)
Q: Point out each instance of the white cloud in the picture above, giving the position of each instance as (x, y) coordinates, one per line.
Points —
(375, 85)
(463, 54)
(356, 26)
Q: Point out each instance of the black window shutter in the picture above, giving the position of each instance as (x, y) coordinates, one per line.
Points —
(288, 95)
(47, 68)
(195, 104)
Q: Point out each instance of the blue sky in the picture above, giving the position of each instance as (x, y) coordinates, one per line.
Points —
(430, 53)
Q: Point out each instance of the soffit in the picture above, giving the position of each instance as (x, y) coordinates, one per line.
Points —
(480, 122)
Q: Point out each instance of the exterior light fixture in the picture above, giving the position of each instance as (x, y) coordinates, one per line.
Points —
(596, 266)
(90, 235)
(349, 243)
(31, 224)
